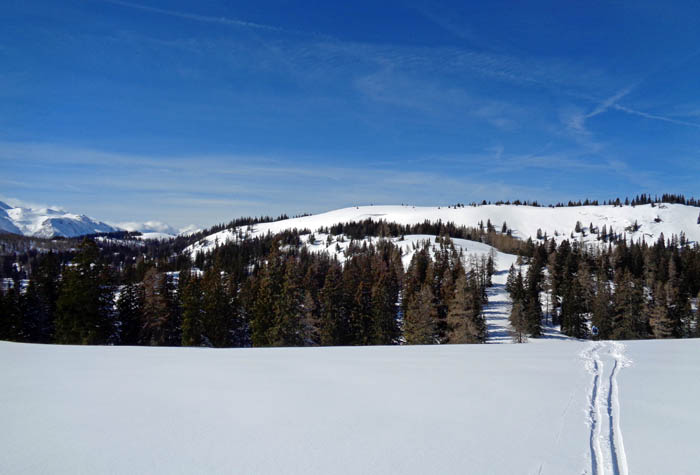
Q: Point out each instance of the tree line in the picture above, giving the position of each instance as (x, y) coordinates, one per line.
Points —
(638, 200)
(629, 291)
(256, 292)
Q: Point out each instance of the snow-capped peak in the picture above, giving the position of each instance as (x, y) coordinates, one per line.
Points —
(48, 223)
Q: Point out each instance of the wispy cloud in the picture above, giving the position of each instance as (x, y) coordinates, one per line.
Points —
(195, 17)
(609, 102)
(647, 115)
(576, 120)
(208, 190)
(18, 203)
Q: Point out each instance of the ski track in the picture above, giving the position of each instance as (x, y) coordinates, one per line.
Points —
(606, 444)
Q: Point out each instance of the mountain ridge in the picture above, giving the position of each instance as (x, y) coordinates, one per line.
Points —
(48, 222)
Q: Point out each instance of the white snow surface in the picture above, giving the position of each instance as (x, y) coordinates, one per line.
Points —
(550, 408)
(409, 245)
(524, 221)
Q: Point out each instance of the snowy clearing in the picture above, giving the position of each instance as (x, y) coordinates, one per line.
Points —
(557, 407)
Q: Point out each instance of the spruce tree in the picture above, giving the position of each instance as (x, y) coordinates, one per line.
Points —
(602, 308)
(263, 311)
(333, 329)
(518, 322)
(130, 313)
(155, 308)
(84, 313)
(464, 321)
(660, 319)
(218, 312)
(310, 322)
(287, 328)
(11, 313)
(192, 298)
(384, 311)
(573, 321)
(629, 319)
(420, 318)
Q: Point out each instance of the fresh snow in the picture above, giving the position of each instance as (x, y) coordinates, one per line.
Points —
(559, 407)
(558, 223)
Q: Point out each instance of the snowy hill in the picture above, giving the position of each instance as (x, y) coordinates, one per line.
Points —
(551, 408)
(524, 221)
(48, 223)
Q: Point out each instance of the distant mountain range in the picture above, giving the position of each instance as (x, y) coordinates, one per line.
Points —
(48, 223)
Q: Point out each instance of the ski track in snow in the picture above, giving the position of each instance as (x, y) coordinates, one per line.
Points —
(607, 449)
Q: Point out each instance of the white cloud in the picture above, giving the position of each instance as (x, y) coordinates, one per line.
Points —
(147, 227)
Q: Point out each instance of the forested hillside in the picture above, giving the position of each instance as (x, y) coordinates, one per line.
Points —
(346, 284)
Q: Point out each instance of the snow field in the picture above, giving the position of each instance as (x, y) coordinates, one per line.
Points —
(558, 407)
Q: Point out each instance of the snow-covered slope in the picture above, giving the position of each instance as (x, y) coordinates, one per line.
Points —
(409, 245)
(551, 408)
(47, 223)
(524, 221)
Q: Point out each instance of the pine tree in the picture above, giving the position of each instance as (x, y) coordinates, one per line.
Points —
(130, 313)
(518, 322)
(697, 317)
(629, 320)
(11, 314)
(659, 316)
(464, 321)
(602, 308)
(287, 329)
(677, 299)
(310, 322)
(573, 321)
(421, 317)
(39, 302)
(192, 298)
(531, 300)
(84, 313)
(384, 311)
(218, 311)
(155, 308)
(333, 329)
(263, 307)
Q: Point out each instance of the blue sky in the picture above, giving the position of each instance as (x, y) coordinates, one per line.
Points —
(198, 112)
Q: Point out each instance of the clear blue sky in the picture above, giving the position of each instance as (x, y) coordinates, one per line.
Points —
(197, 112)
